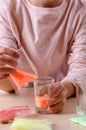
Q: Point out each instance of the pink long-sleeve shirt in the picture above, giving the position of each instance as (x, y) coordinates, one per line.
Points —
(53, 38)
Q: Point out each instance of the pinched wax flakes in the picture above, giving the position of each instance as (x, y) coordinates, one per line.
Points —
(21, 78)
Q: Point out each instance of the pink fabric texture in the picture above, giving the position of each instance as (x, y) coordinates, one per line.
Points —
(53, 38)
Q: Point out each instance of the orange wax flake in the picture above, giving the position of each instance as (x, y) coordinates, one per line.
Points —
(21, 78)
(41, 101)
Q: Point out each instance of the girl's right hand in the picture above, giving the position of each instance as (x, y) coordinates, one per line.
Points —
(8, 61)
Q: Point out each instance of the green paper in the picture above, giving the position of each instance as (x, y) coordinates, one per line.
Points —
(79, 120)
(30, 124)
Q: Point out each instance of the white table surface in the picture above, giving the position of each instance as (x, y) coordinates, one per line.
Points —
(26, 97)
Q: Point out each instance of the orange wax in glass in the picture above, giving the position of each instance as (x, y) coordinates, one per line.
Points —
(41, 101)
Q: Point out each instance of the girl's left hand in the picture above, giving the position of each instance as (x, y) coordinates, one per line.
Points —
(57, 97)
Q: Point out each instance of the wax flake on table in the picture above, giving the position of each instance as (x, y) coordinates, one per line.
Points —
(21, 78)
(81, 120)
(8, 115)
(31, 124)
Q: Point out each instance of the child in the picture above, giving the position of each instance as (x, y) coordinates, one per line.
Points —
(53, 34)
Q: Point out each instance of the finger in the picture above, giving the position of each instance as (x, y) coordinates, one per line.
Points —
(43, 91)
(56, 108)
(55, 90)
(6, 59)
(54, 101)
(57, 93)
(12, 52)
(4, 76)
(6, 70)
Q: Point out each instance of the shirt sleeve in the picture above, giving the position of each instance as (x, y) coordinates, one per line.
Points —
(77, 57)
(7, 37)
